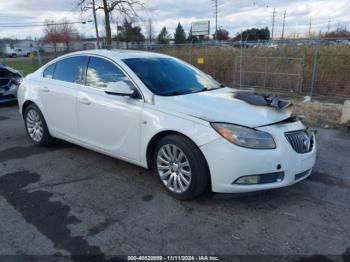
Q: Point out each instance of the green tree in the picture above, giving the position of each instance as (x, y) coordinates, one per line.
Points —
(253, 34)
(129, 33)
(180, 35)
(222, 35)
(163, 36)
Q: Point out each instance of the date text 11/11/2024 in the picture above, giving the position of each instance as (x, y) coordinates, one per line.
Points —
(173, 258)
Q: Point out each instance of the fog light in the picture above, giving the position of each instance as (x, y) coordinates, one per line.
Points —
(248, 180)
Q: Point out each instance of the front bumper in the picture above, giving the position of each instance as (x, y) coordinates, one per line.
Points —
(228, 162)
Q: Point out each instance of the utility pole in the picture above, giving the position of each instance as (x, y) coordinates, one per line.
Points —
(150, 30)
(310, 27)
(329, 23)
(284, 22)
(96, 27)
(216, 18)
(273, 23)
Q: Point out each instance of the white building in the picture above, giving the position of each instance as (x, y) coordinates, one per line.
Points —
(7, 46)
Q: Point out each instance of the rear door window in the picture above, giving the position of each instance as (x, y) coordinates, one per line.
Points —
(71, 69)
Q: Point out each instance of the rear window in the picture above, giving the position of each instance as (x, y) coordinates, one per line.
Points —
(70, 69)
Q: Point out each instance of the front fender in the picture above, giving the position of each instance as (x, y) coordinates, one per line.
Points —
(155, 121)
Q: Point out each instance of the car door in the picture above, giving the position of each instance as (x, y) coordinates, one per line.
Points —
(108, 122)
(58, 92)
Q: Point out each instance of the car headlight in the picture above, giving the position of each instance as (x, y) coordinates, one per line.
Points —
(245, 137)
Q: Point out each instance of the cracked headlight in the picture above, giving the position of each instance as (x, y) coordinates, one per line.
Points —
(244, 136)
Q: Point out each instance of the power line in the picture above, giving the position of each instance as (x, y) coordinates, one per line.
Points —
(9, 25)
(18, 16)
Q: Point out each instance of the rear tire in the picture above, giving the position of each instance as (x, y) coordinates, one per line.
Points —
(36, 126)
(181, 167)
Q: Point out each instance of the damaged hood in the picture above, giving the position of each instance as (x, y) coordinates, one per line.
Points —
(221, 106)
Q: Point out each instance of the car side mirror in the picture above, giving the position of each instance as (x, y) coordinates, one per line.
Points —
(119, 88)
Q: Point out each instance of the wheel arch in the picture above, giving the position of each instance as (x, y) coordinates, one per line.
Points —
(31, 102)
(26, 104)
(157, 137)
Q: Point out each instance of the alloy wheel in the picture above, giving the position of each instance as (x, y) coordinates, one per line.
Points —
(34, 125)
(174, 168)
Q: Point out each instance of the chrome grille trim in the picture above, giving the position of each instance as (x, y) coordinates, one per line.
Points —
(301, 141)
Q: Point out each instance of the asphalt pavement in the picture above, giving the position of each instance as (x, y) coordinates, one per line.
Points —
(67, 200)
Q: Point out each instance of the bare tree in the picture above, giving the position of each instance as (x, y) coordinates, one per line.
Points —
(69, 32)
(126, 8)
(62, 31)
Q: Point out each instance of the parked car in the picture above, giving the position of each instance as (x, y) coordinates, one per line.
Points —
(19, 52)
(161, 113)
(10, 80)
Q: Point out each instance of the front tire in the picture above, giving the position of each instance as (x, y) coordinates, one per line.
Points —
(36, 126)
(181, 167)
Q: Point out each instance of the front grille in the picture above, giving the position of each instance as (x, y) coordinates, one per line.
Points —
(301, 141)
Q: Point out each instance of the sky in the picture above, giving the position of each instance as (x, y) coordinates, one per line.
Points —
(233, 15)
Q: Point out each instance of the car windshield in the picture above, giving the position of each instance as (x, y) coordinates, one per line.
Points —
(169, 76)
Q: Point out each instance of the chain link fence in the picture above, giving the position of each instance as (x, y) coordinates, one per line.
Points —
(302, 67)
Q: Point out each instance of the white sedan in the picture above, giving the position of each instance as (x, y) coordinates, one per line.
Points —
(161, 113)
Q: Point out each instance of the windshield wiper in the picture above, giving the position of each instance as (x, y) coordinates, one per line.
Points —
(176, 93)
(220, 86)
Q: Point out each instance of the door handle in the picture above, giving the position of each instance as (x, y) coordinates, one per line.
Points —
(85, 101)
(45, 89)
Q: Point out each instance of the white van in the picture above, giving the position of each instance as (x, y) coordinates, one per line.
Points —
(17, 52)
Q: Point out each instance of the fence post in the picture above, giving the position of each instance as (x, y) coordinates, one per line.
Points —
(190, 53)
(234, 71)
(265, 72)
(39, 57)
(314, 69)
(241, 65)
(3, 57)
(301, 75)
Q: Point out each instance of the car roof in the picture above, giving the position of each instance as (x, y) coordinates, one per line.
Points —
(119, 53)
